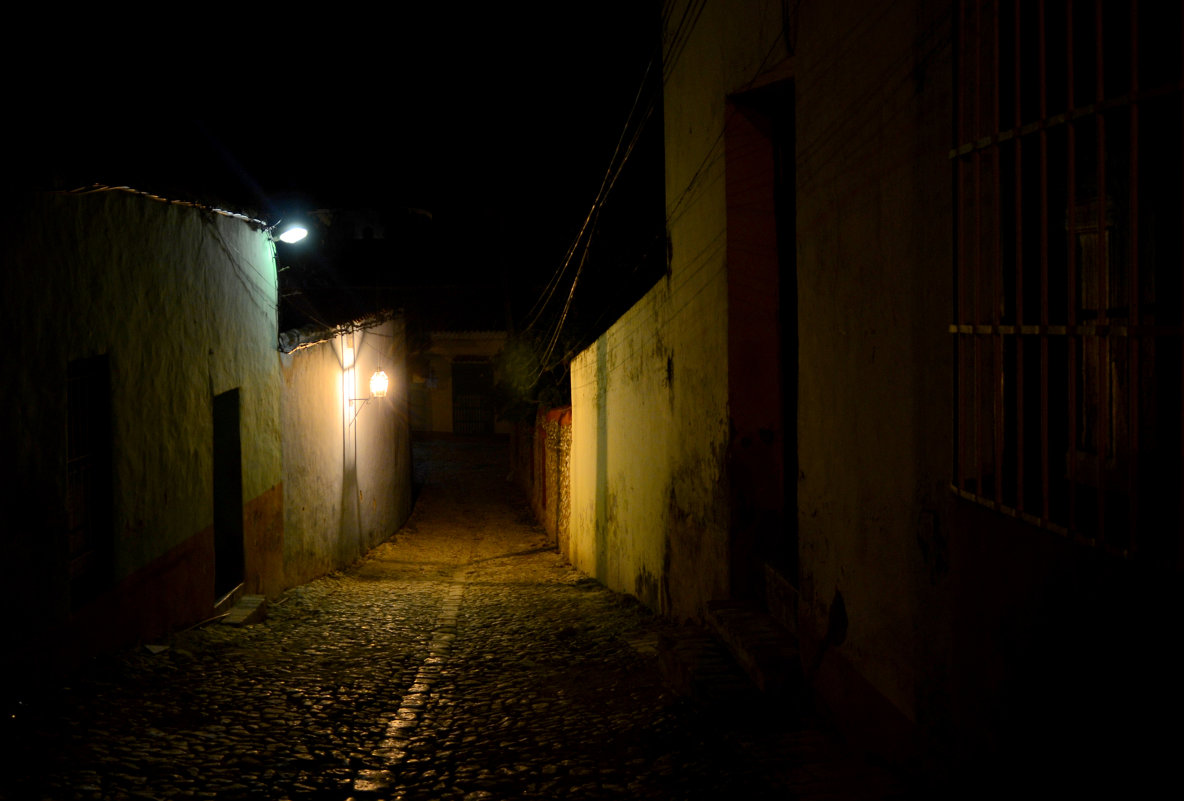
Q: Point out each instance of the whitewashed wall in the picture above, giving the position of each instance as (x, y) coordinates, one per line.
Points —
(182, 302)
(347, 470)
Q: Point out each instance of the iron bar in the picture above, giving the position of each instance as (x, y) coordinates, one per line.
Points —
(1013, 376)
(976, 161)
(997, 287)
(1104, 427)
(1133, 298)
(1045, 431)
(1071, 280)
(1019, 272)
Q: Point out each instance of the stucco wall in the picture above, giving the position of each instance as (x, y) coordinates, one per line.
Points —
(986, 635)
(649, 428)
(652, 416)
(346, 464)
(874, 212)
(929, 625)
(182, 303)
(650, 408)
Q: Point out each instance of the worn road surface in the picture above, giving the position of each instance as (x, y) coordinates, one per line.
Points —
(462, 659)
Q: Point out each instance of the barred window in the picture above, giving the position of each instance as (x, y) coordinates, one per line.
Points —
(1068, 176)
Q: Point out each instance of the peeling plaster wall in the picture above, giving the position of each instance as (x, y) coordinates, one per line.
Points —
(931, 628)
(347, 465)
(182, 302)
(649, 430)
(650, 408)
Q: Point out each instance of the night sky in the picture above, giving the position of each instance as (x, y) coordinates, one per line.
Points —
(499, 121)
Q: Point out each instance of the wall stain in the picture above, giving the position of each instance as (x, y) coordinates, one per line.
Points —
(646, 587)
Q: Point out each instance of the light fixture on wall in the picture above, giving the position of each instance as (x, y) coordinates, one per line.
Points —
(288, 231)
(378, 384)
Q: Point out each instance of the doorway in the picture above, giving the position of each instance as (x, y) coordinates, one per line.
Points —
(760, 152)
(229, 567)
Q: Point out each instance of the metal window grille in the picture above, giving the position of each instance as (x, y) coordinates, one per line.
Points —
(1068, 173)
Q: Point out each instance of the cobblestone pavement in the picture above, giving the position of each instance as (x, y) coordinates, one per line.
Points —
(462, 659)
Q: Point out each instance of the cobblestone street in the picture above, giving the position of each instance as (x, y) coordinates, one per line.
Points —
(462, 659)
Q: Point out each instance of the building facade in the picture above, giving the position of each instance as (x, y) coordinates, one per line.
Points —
(142, 416)
(913, 381)
(347, 451)
(452, 389)
(162, 457)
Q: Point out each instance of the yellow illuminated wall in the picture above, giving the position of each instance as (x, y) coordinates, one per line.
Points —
(347, 455)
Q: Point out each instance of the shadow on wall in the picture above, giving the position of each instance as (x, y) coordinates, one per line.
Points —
(836, 633)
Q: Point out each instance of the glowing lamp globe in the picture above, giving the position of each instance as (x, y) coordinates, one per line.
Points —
(294, 234)
(378, 384)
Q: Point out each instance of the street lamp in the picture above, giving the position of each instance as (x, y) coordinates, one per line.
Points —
(288, 231)
(378, 384)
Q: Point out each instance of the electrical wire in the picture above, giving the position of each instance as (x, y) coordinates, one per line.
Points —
(606, 185)
(692, 281)
(712, 158)
(681, 35)
(691, 14)
(628, 141)
(208, 217)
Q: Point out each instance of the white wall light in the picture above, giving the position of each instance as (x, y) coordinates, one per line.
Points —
(289, 231)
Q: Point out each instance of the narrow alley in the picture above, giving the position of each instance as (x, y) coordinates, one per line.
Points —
(462, 659)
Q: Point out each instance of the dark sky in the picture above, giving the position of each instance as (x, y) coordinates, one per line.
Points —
(497, 119)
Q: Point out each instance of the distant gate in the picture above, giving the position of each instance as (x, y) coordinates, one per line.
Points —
(472, 398)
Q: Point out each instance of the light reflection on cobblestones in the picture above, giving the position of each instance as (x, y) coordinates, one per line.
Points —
(464, 660)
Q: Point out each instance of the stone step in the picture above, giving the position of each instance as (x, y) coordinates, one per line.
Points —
(249, 609)
(763, 649)
(695, 664)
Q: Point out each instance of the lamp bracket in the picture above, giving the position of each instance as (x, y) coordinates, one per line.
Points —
(357, 410)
